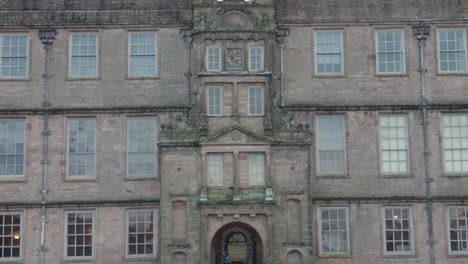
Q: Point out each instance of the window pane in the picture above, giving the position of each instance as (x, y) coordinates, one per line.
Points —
(14, 56)
(81, 147)
(334, 230)
(393, 144)
(80, 231)
(328, 52)
(12, 133)
(142, 54)
(141, 240)
(255, 101)
(452, 53)
(83, 57)
(331, 145)
(390, 52)
(214, 100)
(213, 58)
(215, 169)
(141, 147)
(398, 238)
(455, 137)
(256, 169)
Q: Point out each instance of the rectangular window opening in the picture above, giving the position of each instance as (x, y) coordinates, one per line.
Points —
(11, 236)
(455, 143)
(334, 230)
(390, 52)
(394, 144)
(398, 231)
(81, 147)
(215, 101)
(142, 50)
(79, 238)
(141, 147)
(12, 148)
(215, 169)
(255, 101)
(14, 49)
(452, 50)
(84, 55)
(141, 233)
(256, 169)
(329, 52)
(331, 145)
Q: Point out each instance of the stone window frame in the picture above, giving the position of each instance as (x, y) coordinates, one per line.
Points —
(221, 175)
(235, 150)
(207, 56)
(25, 155)
(93, 235)
(448, 230)
(262, 62)
(412, 251)
(408, 146)
(319, 233)
(21, 213)
(403, 52)
(442, 145)
(262, 113)
(155, 254)
(96, 145)
(317, 148)
(465, 45)
(156, 55)
(26, 77)
(220, 100)
(70, 54)
(156, 151)
(252, 182)
(342, 53)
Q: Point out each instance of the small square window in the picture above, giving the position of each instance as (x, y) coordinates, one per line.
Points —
(142, 54)
(213, 58)
(329, 52)
(83, 55)
(398, 231)
(256, 101)
(390, 52)
(81, 148)
(452, 50)
(79, 235)
(334, 230)
(256, 58)
(14, 59)
(141, 233)
(215, 101)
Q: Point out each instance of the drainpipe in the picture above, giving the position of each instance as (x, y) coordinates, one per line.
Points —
(47, 37)
(187, 35)
(421, 32)
(281, 38)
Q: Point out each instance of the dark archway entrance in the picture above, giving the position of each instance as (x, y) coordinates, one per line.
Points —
(236, 243)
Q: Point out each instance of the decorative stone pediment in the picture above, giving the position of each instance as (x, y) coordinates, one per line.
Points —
(236, 20)
(235, 135)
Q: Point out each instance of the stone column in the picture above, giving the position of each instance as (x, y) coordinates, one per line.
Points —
(204, 180)
(236, 182)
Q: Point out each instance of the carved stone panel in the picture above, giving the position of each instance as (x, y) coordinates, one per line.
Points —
(235, 59)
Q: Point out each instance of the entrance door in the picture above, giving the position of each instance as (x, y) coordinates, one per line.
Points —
(236, 243)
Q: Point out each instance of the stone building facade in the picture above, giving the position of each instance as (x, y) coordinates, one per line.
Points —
(233, 131)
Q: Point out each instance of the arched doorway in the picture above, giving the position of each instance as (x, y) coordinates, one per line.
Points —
(236, 243)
